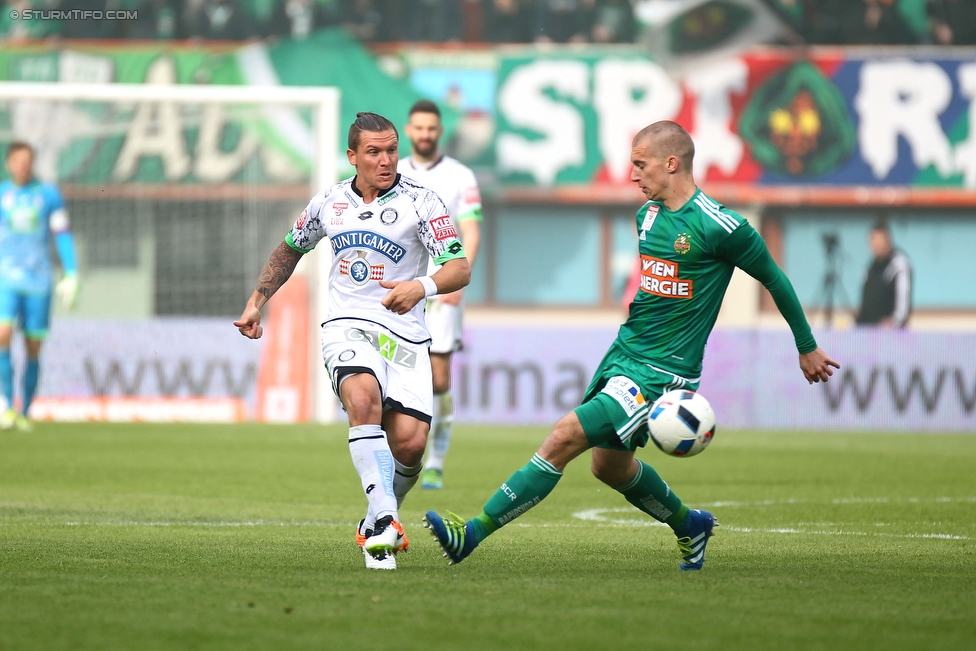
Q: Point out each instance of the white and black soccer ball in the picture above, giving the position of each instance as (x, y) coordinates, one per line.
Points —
(682, 423)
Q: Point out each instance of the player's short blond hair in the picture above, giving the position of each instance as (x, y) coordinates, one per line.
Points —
(667, 138)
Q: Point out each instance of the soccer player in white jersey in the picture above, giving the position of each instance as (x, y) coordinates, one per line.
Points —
(457, 187)
(382, 228)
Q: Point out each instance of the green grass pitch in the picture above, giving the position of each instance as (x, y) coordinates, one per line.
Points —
(241, 537)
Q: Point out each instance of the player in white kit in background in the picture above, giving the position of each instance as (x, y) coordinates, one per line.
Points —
(383, 229)
(457, 187)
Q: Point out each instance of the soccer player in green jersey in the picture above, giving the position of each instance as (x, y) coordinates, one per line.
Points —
(689, 245)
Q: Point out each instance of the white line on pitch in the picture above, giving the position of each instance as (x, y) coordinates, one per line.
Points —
(822, 532)
(842, 500)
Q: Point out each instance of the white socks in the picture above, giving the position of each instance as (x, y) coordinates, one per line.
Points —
(404, 478)
(375, 464)
(441, 426)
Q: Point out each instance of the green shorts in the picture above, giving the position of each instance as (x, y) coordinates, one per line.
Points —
(615, 406)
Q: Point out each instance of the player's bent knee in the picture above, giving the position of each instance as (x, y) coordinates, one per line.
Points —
(613, 467)
(362, 408)
(611, 474)
(566, 442)
(408, 444)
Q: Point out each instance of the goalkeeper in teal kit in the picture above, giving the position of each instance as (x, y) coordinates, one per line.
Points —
(689, 246)
(30, 214)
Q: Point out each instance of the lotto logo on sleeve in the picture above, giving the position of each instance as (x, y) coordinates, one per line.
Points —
(443, 228)
(660, 277)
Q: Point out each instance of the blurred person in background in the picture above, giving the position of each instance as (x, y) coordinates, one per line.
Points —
(364, 20)
(952, 22)
(832, 22)
(457, 187)
(613, 22)
(30, 212)
(435, 21)
(506, 22)
(887, 296)
(220, 20)
(562, 21)
(157, 20)
(93, 29)
(297, 19)
(885, 25)
(18, 29)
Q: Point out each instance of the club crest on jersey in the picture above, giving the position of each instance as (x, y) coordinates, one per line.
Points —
(388, 216)
(386, 198)
(682, 244)
(366, 215)
(443, 228)
(367, 240)
(359, 270)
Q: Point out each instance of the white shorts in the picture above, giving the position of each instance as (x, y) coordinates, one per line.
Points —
(401, 368)
(444, 322)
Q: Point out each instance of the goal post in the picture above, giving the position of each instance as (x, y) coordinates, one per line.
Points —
(177, 193)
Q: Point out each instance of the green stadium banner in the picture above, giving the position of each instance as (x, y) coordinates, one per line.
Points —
(261, 148)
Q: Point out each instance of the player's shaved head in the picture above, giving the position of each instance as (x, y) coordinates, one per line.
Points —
(666, 138)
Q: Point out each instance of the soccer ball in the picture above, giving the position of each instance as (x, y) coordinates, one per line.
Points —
(681, 422)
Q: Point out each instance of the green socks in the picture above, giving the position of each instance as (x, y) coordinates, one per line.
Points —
(524, 489)
(531, 484)
(648, 492)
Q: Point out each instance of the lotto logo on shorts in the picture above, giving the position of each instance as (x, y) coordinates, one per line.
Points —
(443, 228)
(660, 277)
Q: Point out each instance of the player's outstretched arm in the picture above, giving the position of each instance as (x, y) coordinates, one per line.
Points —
(816, 366)
(277, 270)
(747, 250)
(452, 276)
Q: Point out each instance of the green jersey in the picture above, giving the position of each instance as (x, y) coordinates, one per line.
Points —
(687, 258)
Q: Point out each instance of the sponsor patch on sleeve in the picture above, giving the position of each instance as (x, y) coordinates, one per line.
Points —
(300, 224)
(443, 228)
(626, 393)
(472, 195)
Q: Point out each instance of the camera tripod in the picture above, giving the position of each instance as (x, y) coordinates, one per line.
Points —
(832, 287)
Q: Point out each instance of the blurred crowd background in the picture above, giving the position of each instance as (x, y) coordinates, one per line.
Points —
(813, 22)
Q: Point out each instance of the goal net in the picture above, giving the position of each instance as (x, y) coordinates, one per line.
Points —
(176, 196)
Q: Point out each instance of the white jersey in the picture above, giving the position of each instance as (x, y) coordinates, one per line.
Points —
(392, 238)
(453, 182)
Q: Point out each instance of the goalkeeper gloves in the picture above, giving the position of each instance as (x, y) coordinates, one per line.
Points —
(67, 290)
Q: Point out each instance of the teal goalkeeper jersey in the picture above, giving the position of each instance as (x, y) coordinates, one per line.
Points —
(687, 258)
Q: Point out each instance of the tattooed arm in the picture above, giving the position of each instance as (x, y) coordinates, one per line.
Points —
(277, 270)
